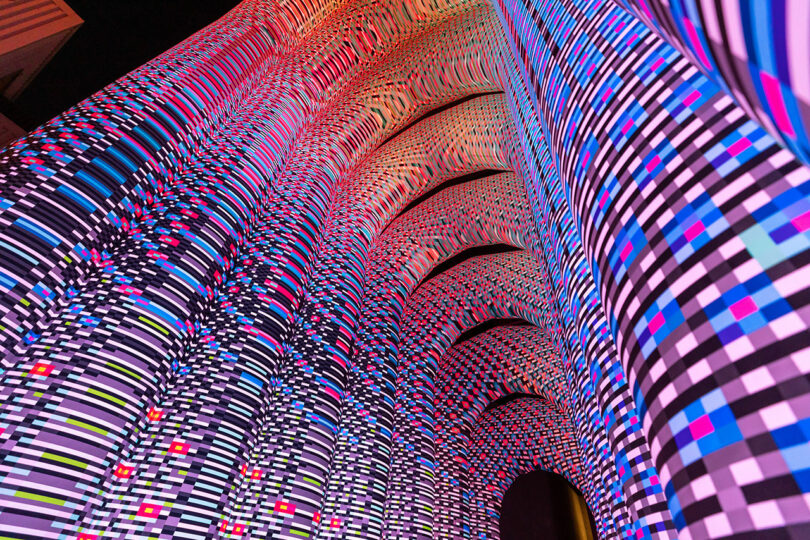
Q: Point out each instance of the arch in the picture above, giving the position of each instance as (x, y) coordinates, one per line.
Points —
(519, 437)
(539, 504)
(504, 285)
(214, 225)
(386, 277)
(473, 375)
(312, 367)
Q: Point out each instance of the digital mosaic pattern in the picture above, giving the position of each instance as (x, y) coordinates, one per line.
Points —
(239, 287)
(694, 287)
(400, 173)
(518, 437)
(523, 362)
(757, 51)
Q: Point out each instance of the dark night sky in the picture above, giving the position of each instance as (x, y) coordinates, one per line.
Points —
(116, 37)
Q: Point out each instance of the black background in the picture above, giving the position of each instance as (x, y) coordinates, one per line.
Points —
(537, 507)
(117, 36)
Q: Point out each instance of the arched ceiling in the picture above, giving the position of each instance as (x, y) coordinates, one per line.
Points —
(234, 281)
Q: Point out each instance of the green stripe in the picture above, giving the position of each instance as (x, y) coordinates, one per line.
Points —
(62, 459)
(80, 424)
(106, 396)
(40, 498)
(122, 369)
(154, 325)
(300, 533)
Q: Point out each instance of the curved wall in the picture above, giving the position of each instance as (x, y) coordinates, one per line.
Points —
(232, 282)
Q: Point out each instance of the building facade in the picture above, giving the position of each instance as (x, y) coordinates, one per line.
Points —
(268, 284)
(31, 32)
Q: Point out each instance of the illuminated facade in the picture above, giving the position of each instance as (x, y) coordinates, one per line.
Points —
(243, 287)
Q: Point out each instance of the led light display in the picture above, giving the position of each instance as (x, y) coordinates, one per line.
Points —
(266, 285)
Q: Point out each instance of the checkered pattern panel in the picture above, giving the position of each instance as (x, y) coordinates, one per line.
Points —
(757, 51)
(682, 227)
(488, 210)
(518, 359)
(521, 436)
(212, 315)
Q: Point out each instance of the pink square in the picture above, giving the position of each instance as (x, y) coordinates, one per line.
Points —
(657, 322)
(178, 447)
(603, 200)
(627, 126)
(692, 232)
(691, 98)
(743, 308)
(653, 163)
(739, 146)
(802, 223)
(701, 427)
(628, 249)
(149, 510)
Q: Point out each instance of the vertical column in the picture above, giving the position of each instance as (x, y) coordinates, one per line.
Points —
(692, 220)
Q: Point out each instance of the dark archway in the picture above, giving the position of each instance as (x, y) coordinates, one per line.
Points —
(541, 505)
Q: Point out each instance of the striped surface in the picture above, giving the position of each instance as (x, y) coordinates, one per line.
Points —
(20, 16)
(232, 283)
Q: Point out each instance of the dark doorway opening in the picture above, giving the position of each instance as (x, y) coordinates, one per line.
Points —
(542, 505)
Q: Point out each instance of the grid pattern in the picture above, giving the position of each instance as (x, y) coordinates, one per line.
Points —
(520, 359)
(214, 317)
(504, 444)
(696, 164)
(757, 51)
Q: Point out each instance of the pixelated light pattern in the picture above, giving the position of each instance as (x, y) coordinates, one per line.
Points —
(233, 282)
(523, 362)
(756, 51)
(524, 435)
